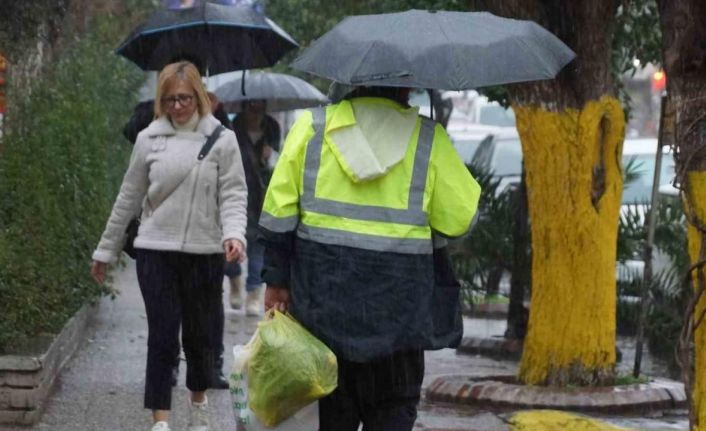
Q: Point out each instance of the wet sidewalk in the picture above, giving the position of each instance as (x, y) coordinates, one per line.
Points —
(101, 389)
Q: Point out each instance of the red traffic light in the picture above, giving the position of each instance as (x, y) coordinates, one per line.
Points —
(659, 81)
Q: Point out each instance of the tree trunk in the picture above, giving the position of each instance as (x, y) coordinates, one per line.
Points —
(571, 130)
(495, 275)
(575, 185)
(684, 57)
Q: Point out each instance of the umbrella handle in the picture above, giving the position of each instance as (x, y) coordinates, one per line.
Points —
(431, 103)
(242, 83)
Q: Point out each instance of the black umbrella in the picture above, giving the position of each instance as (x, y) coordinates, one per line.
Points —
(439, 50)
(282, 92)
(217, 38)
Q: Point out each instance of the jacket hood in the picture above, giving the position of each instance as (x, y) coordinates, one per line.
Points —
(369, 136)
(163, 127)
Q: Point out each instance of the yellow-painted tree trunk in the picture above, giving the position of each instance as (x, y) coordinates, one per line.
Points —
(696, 201)
(683, 41)
(574, 183)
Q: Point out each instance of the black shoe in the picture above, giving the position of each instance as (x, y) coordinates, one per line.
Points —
(218, 380)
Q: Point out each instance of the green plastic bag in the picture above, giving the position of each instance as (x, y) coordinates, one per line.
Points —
(289, 368)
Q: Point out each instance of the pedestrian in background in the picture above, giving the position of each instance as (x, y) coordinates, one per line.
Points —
(258, 136)
(217, 326)
(361, 192)
(192, 212)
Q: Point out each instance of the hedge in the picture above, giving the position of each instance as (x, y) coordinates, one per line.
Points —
(61, 161)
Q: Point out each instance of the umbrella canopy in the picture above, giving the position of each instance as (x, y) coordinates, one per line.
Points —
(282, 92)
(217, 38)
(435, 49)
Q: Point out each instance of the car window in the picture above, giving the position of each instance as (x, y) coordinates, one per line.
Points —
(640, 189)
(466, 148)
(507, 158)
(483, 154)
(496, 115)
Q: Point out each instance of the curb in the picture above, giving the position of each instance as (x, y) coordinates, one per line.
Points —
(501, 392)
(27, 380)
(494, 347)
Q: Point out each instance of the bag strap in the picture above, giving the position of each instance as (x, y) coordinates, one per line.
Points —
(210, 141)
(204, 152)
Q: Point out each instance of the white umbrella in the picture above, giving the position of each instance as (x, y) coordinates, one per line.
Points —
(281, 92)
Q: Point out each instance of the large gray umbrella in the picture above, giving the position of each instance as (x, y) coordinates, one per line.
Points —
(439, 50)
(282, 92)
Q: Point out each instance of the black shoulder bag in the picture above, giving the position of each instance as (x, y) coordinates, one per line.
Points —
(134, 225)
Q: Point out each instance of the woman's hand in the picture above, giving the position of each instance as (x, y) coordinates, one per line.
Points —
(235, 250)
(277, 298)
(98, 271)
(266, 153)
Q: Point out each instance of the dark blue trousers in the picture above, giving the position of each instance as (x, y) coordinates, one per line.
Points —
(382, 394)
(180, 290)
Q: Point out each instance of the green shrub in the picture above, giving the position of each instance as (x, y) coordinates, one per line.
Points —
(61, 160)
(667, 294)
(489, 247)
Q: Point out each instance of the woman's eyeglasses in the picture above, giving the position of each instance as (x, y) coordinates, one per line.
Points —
(183, 99)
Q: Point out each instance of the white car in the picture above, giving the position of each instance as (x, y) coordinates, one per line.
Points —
(641, 152)
(483, 111)
(467, 140)
(501, 155)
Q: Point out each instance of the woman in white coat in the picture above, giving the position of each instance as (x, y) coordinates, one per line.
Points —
(192, 211)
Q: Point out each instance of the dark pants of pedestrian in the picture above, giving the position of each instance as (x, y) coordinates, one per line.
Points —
(180, 290)
(382, 394)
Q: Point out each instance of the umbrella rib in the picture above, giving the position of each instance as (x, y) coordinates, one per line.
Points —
(539, 59)
(196, 24)
(362, 59)
(457, 55)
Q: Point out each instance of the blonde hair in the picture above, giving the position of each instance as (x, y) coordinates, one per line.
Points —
(181, 71)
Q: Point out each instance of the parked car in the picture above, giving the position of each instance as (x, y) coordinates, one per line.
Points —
(483, 111)
(467, 140)
(501, 154)
(640, 155)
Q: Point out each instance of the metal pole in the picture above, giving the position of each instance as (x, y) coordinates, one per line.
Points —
(647, 252)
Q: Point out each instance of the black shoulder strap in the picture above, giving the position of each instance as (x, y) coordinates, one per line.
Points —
(210, 141)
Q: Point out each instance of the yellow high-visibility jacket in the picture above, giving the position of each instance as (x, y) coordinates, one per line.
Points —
(360, 190)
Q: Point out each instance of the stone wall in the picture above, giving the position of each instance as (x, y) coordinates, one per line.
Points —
(26, 380)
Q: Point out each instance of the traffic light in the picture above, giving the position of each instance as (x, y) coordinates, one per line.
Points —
(659, 81)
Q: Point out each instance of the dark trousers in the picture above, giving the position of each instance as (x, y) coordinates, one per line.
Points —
(180, 290)
(382, 394)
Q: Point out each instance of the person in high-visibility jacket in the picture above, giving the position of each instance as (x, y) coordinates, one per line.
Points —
(363, 192)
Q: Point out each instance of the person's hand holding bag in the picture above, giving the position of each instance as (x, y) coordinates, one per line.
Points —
(276, 297)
